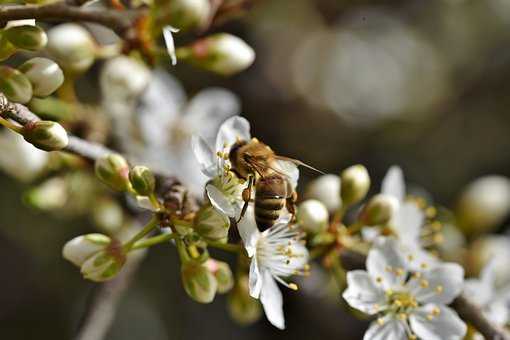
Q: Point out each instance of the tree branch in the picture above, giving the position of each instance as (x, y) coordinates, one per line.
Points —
(468, 311)
(119, 21)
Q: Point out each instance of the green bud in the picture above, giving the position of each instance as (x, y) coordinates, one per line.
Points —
(222, 53)
(355, 183)
(142, 180)
(379, 210)
(72, 46)
(312, 216)
(113, 170)
(26, 37)
(211, 224)
(15, 85)
(182, 14)
(6, 48)
(46, 135)
(199, 283)
(222, 273)
(484, 204)
(44, 74)
(241, 306)
(105, 265)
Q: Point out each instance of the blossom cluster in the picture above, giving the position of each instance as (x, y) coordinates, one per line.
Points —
(193, 171)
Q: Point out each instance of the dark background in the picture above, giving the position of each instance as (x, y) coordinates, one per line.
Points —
(422, 84)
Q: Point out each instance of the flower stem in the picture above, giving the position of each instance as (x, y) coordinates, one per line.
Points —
(233, 248)
(151, 241)
(153, 223)
(10, 125)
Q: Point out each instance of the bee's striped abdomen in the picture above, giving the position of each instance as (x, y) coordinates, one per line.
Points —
(267, 210)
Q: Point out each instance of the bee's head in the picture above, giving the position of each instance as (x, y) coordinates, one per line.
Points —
(234, 152)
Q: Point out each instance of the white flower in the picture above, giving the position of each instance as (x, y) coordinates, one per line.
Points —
(19, 158)
(81, 248)
(407, 221)
(276, 254)
(158, 132)
(224, 190)
(494, 302)
(411, 304)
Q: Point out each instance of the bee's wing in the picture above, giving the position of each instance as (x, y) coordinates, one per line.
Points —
(289, 169)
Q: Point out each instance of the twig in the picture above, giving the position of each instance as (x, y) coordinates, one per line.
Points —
(120, 22)
(468, 311)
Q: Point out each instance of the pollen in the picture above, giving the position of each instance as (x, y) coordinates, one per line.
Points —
(439, 289)
(293, 286)
(410, 258)
(402, 316)
(424, 283)
(378, 279)
(423, 265)
(380, 321)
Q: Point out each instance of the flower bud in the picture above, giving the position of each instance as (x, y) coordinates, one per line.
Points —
(123, 78)
(355, 184)
(211, 224)
(312, 216)
(113, 170)
(26, 37)
(15, 85)
(46, 135)
(6, 48)
(182, 14)
(72, 46)
(81, 248)
(379, 210)
(142, 180)
(50, 195)
(104, 265)
(44, 74)
(326, 189)
(484, 204)
(222, 53)
(199, 283)
(108, 216)
(222, 273)
(241, 306)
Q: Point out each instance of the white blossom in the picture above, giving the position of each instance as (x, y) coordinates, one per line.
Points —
(224, 188)
(494, 301)
(157, 131)
(410, 304)
(276, 254)
(407, 221)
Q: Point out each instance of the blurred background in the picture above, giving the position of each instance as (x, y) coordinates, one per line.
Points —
(422, 83)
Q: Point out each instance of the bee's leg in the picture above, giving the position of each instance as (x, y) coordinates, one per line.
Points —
(290, 203)
(246, 197)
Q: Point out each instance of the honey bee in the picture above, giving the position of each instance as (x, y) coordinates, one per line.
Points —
(257, 163)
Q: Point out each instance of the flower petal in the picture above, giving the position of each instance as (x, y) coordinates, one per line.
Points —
(231, 130)
(390, 329)
(169, 42)
(290, 169)
(272, 301)
(441, 284)
(393, 183)
(208, 109)
(219, 201)
(481, 291)
(204, 155)
(255, 279)
(384, 262)
(248, 230)
(408, 222)
(362, 293)
(427, 324)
